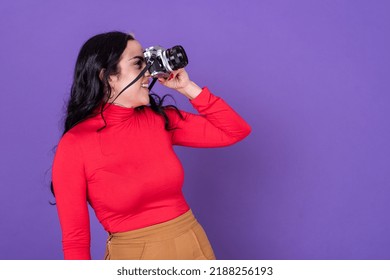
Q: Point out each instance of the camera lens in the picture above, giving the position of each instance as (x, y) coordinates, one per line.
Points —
(176, 57)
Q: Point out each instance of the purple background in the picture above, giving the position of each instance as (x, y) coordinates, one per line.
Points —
(311, 78)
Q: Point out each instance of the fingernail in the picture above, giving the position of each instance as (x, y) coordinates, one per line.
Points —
(170, 77)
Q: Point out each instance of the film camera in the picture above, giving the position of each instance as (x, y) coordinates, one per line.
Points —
(164, 61)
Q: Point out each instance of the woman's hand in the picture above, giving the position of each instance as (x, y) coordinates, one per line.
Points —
(180, 81)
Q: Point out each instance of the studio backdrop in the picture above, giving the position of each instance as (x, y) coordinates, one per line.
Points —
(311, 181)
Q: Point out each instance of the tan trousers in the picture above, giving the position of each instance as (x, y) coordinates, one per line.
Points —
(182, 238)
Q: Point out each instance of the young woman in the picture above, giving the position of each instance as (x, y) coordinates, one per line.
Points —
(116, 154)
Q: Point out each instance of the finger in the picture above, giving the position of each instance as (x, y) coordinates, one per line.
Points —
(171, 76)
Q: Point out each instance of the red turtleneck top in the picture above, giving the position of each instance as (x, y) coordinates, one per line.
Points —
(128, 171)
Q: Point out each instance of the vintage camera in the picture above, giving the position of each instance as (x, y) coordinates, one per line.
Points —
(164, 61)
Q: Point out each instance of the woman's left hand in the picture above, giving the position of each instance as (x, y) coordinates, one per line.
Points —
(180, 81)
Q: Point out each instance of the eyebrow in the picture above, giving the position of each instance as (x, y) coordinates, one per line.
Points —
(138, 56)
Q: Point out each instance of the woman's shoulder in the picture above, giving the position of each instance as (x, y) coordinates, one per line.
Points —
(81, 132)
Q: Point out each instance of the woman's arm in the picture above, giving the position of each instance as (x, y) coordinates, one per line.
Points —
(217, 124)
(70, 190)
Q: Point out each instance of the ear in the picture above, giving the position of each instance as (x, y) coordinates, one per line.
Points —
(110, 78)
(101, 74)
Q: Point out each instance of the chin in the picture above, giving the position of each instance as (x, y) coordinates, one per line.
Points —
(146, 101)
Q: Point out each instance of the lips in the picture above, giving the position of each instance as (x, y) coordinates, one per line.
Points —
(145, 83)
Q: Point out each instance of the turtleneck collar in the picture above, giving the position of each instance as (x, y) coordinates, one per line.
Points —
(115, 113)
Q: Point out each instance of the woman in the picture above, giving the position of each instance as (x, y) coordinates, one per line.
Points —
(116, 154)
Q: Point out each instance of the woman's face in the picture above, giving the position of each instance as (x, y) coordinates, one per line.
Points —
(130, 65)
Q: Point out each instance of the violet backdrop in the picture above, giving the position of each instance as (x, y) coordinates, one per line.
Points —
(312, 180)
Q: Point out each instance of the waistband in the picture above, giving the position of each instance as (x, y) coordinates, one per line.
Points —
(158, 232)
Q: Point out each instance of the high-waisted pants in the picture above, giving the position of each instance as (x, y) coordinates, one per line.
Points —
(182, 238)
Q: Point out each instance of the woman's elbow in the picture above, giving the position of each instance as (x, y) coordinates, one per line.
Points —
(240, 135)
(245, 131)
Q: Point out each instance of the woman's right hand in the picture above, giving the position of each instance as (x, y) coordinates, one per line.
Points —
(180, 81)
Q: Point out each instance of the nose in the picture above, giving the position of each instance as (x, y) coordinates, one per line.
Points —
(147, 73)
(146, 77)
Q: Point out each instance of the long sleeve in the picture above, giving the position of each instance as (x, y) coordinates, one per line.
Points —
(217, 124)
(71, 198)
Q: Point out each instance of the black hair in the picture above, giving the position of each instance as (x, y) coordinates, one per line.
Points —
(90, 89)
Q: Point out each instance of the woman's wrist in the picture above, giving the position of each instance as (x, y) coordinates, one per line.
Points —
(191, 90)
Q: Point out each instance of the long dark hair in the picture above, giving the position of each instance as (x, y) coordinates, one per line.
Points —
(90, 90)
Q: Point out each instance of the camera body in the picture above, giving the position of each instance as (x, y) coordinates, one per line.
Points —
(165, 60)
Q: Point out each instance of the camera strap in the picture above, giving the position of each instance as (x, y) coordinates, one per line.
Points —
(152, 83)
